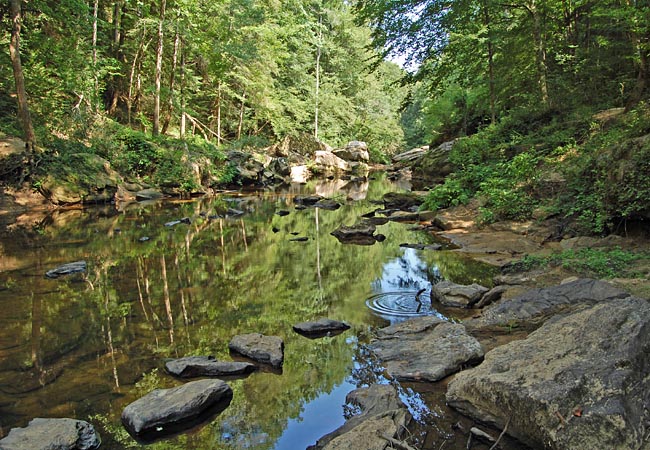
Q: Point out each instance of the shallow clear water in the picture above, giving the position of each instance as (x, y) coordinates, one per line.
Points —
(85, 347)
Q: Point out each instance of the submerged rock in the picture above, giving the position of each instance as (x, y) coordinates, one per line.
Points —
(321, 327)
(534, 307)
(457, 295)
(260, 348)
(185, 220)
(67, 269)
(206, 366)
(382, 413)
(148, 194)
(580, 381)
(59, 434)
(425, 349)
(166, 410)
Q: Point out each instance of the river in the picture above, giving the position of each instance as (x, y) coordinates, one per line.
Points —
(86, 346)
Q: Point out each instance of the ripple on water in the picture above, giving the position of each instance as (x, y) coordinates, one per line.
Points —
(403, 304)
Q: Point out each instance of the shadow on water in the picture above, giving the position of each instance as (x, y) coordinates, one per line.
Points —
(86, 348)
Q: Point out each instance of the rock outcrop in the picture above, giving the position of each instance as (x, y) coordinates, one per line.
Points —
(425, 349)
(534, 307)
(580, 381)
(354, 151)
(164, 411)
(59, 434)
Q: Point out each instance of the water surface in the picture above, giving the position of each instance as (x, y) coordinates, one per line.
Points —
(85, 347)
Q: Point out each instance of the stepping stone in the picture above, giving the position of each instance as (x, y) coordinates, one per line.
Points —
(164, 411)
(206, 366)
(260, 348)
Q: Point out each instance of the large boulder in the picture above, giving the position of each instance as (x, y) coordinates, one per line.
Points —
(381, 413)
(534, 307)
(327, 163)
(425, 349)
(166, 410)
(411, 155)
(206, 366)
(354, 151)
(85, 178)
(457, 295)
(434, 165)
(260, 348)
(580, 381)
(59, 434)
(404, 201)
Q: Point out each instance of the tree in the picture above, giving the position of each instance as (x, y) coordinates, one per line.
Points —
(15, 12)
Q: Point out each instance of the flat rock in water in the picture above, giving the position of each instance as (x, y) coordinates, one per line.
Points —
(67, 269)
(166, 410)
(457, 295)
(382, 412)
(534, 307)
(425, 349)
(321, 327)
(307, 200)
(359, 234)
(260, 348)
(60, 434)
(580, 381)
(402, 200)
(328, 204)
(206, 366)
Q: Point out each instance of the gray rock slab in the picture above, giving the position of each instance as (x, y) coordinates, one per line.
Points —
(164, 410)
(534, 307)
(457, 295)
(425, 349)
(260, 348)
(148, 194)
(380, 411)
(67, 269)
(206, 366)
(50, 434)
(580, 381)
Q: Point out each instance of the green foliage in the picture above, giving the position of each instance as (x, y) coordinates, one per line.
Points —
(138, 156)
(601, 262)
(451, 193)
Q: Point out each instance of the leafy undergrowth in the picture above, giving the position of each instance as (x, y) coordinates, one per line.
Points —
(588, 171)
(593, 262)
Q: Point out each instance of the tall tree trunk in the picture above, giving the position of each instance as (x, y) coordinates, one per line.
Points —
(318, 55)
(172, 80)
(158, 75)
(14, 52)
(490, 49)
(240, 125)
(96, 80)
(540, 53)
(181, 131)
(218, 113)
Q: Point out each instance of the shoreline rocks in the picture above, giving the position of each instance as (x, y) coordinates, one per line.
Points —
(581, 380)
